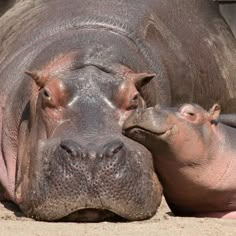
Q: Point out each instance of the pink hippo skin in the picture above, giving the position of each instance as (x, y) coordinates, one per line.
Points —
(194, 157)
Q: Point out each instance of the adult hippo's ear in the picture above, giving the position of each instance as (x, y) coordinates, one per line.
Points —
(214, 112)
(52, 91)
(141, 79)
(38, 79)
(127, 97)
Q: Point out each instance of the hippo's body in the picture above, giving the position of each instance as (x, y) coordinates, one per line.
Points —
(88, 64)
(194, 156)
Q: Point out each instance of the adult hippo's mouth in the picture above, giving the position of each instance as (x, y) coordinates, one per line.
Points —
(92, 215)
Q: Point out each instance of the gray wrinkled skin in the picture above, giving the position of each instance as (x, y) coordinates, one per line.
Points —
(62, 145)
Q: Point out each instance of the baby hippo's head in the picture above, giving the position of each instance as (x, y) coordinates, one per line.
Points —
(181, 134)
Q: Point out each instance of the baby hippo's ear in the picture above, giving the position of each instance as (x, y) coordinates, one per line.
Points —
(214, 112)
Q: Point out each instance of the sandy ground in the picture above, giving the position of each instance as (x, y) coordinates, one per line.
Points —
(163, 223)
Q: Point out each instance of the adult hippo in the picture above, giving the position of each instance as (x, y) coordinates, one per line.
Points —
(194, 156)
(71, 73)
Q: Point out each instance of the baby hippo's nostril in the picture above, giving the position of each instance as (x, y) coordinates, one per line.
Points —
(113, 148)
(72, 148)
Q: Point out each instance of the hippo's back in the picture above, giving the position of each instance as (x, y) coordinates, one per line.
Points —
(182, 41)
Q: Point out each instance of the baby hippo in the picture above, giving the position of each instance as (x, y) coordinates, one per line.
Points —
(194, 156)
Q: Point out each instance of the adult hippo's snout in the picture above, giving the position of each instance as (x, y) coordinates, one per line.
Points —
(89, 181)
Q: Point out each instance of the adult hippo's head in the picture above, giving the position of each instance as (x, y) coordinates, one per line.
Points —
(73, 161)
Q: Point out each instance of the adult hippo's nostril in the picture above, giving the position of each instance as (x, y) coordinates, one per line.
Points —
(113, 148)
(72, 148)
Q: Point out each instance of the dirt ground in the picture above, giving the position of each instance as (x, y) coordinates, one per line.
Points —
(163, 223)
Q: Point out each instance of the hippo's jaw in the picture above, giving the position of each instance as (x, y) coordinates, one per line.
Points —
(69, 183)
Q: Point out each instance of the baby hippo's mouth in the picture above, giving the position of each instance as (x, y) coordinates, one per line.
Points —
(138, 130)
(148, 122)
(92, 215)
